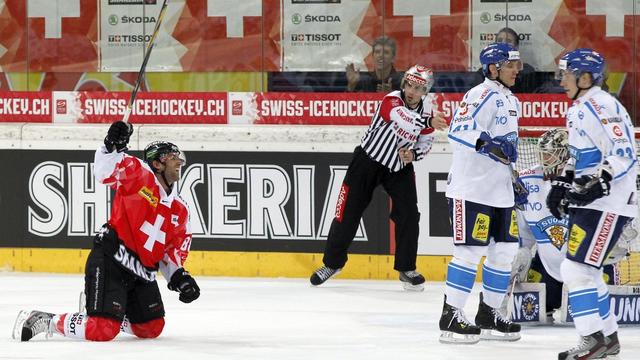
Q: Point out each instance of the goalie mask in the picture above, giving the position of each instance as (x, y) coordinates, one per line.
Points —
(553, 151)
(161, 151)
(420, 75)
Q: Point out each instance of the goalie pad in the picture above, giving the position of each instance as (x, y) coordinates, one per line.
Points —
(529, 304)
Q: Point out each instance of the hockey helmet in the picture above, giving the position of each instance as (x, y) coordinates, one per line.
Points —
(420, 75)
(553, 149)
(498, 54)
(581, 61)
(161, 150)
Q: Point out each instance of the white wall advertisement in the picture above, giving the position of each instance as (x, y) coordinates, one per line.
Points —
(530, 19)
(323, 36)
(126, 26)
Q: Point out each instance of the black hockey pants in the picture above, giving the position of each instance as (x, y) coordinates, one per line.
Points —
(363, 176)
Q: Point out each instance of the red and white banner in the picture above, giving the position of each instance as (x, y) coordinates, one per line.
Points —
(156, 108)
(25, 106)
(238, 107)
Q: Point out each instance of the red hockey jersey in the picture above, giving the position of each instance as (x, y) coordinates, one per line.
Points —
(152, 224)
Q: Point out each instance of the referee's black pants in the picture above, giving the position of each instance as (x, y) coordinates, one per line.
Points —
(363, 176)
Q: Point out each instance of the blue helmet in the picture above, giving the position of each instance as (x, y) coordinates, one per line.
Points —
(581, 61)
(498, 54)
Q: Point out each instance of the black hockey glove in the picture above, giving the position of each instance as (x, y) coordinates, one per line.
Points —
(589, 188)
(498, 148)
(118, 136)
(182, 282)
(520, 194)
(556, 201)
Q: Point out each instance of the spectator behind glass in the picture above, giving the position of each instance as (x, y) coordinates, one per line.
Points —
(529, 80)
(384, 76)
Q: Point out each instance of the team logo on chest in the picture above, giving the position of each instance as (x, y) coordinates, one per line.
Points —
(556, 230)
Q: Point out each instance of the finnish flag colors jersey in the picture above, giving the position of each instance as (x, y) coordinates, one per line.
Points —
(537, 225)
(600, 129)
(393, 127)
(492, 108)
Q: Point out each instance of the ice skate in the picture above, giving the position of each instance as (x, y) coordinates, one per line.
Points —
(590, 347)
(323, 274)
(494, 325)
(455, 327)
(412, 280)
(30, 323)
(613, 346)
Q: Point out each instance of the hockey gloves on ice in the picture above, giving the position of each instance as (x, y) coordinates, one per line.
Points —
(498, 148)
(589, 188)
(556, 201)
(118, 136)
(182, 282)
(520, 193)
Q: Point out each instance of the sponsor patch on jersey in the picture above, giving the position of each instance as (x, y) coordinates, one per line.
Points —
(147, 194)
(481, 228)
(601, 242)
(576, 237)
(513, 227)
(458, 221)
(616, 130)
(513, 113)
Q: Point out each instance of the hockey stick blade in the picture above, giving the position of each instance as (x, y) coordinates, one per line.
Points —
(147, 55)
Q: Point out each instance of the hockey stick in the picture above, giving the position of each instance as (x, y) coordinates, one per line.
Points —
(147, 54)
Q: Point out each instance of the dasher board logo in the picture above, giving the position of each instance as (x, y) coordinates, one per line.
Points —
(132, 2)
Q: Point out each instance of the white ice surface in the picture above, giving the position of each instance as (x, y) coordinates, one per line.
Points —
(253, 318)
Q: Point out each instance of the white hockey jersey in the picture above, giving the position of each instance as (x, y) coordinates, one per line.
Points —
(600, 129)
(489, 107)
(537, 226)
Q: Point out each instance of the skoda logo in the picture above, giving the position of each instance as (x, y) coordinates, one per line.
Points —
(296, 18)
(113, 20)
(485, 18)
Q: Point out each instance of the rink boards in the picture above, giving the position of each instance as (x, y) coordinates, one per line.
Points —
(261, 197)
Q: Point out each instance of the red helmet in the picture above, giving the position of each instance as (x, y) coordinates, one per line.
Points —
(420, 75)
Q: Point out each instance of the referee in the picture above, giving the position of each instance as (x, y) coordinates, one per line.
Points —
(400, 133)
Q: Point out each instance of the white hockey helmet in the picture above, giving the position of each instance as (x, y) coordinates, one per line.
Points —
(553, 148)
(420, 75)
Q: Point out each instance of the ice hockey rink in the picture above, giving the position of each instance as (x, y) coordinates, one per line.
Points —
(258, 318)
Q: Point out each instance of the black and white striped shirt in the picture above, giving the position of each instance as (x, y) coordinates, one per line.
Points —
(383, 138)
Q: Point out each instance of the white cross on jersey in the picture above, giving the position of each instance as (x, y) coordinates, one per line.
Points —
(53, 11)
(234, 11)
(154, 233)
(421, 11)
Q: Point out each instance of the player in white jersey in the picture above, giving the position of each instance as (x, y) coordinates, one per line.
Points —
(401, 131)
(481, 194)
(598, 192)
(541, 233)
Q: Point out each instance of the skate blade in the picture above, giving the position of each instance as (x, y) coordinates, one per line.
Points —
(448, 337)
(494, 335)
(409, 287)
(23, 315)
